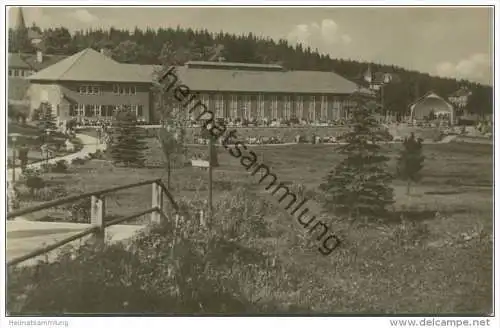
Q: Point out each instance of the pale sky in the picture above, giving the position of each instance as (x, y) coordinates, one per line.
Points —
(451, 42)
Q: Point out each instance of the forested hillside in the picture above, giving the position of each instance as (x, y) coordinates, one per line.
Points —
(178, 45)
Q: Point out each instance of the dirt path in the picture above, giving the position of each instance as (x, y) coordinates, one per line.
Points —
(90, 145)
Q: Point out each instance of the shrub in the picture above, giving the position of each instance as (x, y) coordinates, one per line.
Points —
(47, 193)
(410, 233)
(46, 167)
(34, 184)
(97, 155)
(410, 161)
(222, 185)
(60, 166)
(31, 171)
(247, 212)
(78, 143)
(79, 211)
(168, 269)
(77, 161)
(139, 277)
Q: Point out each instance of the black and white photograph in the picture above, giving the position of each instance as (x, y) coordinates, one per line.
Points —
(249, 160)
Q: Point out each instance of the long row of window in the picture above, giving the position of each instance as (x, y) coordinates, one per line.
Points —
(17, 72)
(277, 107)
(124, 90)
(89, 90)
(81, 110)
(117, 89)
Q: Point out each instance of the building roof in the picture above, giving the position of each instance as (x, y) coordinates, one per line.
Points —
(90, 65)
(29, 61)
(17, 88)
(47, 60)
(16, 60)
(230, 65)
(264, 81)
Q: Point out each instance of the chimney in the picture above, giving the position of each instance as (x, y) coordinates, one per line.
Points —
(39, 56)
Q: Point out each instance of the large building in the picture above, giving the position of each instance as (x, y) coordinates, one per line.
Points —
(90, 86)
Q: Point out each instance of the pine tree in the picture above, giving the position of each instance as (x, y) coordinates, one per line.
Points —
(45, 117)
(410, 161)
(128, 143)
(359, 186)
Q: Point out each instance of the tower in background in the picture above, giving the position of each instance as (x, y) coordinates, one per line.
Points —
(20, 22)
(20, 41)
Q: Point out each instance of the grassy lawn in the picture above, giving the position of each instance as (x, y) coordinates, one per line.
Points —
(388, 268)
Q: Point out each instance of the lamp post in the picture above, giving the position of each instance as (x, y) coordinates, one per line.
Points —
(99, 135)
(47, 132)
(14, 137)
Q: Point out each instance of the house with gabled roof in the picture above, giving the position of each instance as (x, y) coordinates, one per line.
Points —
(376, 80)
(460, 97)
(21, 65)
(92, 86)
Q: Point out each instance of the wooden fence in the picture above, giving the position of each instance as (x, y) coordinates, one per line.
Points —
(97, 210)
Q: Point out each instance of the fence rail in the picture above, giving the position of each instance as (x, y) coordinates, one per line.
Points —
(97, 215)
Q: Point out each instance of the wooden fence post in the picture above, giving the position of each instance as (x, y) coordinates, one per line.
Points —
(202, 218)
(97, 218)
(156, 202)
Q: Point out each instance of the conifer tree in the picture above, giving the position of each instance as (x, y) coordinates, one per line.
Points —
(359, 186)
(410, 161)
(45, 117)
(128, 144)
